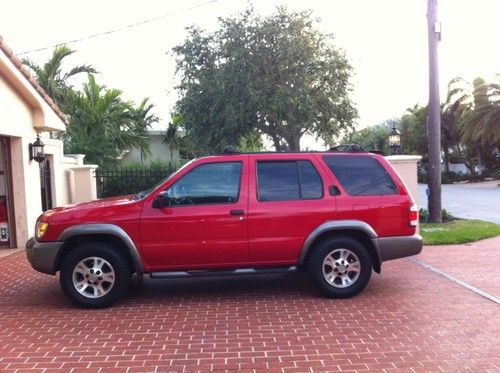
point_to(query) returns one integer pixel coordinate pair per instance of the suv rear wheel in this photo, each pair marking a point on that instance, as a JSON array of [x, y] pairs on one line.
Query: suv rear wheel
[[94, 275], [340, 267]]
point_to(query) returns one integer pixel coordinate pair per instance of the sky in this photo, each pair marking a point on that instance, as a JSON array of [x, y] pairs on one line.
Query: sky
[[385, 41]]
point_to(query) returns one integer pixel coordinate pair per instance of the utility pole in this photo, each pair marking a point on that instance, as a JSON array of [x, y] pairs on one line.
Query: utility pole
[[434, 117]]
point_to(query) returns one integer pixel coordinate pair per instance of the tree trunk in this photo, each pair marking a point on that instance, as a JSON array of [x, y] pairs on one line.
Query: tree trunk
[[464, 161], [479, 162], [294, 143], [446, 159], [277, 143]]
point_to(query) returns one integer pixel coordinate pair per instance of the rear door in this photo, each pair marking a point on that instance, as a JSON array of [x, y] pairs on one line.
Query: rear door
[[288, 199], [369, 193]]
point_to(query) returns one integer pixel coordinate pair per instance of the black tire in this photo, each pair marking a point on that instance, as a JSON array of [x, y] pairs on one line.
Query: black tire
[[337, 272], [116, 269]]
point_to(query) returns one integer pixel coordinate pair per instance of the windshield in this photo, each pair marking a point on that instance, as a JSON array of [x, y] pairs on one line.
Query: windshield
[[142, 194]]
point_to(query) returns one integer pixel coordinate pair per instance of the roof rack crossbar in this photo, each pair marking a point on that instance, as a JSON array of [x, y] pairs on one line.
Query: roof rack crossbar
[[348, 148], [231, 149]]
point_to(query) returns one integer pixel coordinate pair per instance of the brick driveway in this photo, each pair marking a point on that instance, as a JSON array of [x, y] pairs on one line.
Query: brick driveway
[[408, 319]]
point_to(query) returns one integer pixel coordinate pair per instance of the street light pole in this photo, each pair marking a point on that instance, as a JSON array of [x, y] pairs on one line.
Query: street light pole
[[434, 117]]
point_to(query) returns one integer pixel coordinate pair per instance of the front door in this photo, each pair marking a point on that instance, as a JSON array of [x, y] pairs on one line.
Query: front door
[[205, 224], [7, 238]]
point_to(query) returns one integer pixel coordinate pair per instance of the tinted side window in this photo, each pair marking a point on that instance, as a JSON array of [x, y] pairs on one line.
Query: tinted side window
[[277, 181], [361, 176], [288, 180], [311, 186], [207, 184]]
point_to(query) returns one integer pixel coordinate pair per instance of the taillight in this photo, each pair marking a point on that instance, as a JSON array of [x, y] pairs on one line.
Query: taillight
[[413, 215]]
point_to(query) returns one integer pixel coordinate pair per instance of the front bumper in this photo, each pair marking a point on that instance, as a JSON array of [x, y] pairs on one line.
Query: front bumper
[[398, 247], [42, 255]]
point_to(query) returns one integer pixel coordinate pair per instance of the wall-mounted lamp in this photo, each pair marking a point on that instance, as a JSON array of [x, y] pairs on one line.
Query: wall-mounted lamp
[[395, 140], [36, 150]]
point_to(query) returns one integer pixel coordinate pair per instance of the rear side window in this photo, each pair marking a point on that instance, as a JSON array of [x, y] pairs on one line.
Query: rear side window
[[360, 175], [288, 180]]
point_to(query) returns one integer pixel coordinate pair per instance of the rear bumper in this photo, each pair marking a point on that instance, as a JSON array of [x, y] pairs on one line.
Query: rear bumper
[[42, 255], [398, 247]]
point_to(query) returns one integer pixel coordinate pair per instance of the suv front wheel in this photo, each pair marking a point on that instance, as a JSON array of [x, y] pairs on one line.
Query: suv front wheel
[[94, 275], [340, 267]]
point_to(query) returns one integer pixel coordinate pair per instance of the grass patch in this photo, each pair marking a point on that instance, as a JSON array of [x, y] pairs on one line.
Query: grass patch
[[458, 231]]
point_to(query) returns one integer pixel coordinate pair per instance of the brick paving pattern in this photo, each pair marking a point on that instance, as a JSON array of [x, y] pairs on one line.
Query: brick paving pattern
[[477, 263], [407, 320]]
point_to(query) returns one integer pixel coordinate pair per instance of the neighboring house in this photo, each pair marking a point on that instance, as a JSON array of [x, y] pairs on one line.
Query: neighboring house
[[159, 151], [27, 187]]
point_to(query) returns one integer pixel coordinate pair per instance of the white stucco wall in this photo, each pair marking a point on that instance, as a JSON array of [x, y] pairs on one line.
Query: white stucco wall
[[16, 121], [159, 152], [23, 113], [406, 167]]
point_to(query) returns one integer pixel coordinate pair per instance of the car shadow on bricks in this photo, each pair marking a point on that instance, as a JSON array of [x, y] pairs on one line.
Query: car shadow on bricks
[[290, 285], [251, 287], [36, 290]]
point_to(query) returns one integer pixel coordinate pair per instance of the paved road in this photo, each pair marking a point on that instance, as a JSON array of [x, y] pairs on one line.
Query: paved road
[[469, 201], [408, 319]]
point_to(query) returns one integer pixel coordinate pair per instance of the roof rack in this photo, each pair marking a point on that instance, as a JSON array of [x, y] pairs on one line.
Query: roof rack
[[231, 149], [348, 148], [375, 151], [342, 148]]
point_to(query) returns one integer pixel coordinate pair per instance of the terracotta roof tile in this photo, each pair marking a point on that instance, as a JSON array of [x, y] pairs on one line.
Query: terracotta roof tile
[[19, 65]]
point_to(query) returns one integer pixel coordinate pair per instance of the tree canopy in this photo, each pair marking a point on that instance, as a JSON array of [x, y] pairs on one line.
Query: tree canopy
[[277, 75], [470, 128], [101, 124], [51, 77]]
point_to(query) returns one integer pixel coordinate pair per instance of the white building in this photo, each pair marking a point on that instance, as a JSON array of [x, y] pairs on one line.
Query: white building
[[159, 151], [26, 186]]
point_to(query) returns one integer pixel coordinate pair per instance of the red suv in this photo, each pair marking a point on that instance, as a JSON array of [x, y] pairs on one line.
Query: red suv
[[336, 214]]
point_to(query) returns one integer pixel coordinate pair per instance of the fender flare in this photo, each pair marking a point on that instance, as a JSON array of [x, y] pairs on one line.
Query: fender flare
[[106, 229], [338, 225]]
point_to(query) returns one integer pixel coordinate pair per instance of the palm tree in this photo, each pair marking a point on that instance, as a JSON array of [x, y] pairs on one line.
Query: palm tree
[[172, 138], [51, 77], [483, 127], [456, 107], [102, 125]]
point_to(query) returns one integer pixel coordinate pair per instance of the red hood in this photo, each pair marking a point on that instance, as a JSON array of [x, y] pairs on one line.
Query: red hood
[[103, 202], [89, 208]]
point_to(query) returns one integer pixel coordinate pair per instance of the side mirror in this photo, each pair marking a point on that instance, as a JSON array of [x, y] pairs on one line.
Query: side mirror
[[161, 200]]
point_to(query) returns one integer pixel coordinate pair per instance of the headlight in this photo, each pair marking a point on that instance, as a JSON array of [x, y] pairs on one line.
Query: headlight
[[41, 229]]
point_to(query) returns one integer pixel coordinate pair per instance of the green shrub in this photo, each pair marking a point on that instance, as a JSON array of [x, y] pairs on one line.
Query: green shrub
[[495, 174], [423, 216], [448, 178]]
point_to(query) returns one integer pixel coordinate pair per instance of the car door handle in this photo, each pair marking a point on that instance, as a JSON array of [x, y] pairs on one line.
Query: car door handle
[[237, 212]]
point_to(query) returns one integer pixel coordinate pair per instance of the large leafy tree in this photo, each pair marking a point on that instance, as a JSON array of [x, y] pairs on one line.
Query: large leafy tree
[[103, 126], [370, 138], [51, 76], [277, 75]]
